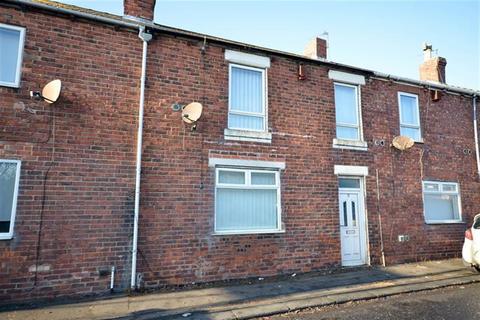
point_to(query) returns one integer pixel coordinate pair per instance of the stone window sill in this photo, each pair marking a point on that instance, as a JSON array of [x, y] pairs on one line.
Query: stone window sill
[[445, 222], [6, 236], [246, 232], [350, 144], [244, 135]]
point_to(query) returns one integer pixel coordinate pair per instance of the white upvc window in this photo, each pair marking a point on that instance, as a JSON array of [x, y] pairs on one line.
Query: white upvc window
[[247, 201], [441, 202], [11, 54], [9, 180], [247, 98], [347, 112], [409, 116]]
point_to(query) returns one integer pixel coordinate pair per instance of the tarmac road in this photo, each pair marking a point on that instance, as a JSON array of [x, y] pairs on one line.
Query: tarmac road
[[452, 303]]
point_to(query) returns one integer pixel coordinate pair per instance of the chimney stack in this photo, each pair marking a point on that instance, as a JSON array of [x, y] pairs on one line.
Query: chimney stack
[[432, 68], [316, 49], [142, 9]]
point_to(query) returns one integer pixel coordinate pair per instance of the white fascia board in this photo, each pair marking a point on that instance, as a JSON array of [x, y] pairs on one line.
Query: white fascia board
[[247, 59], [213, 162], [346, 77], [351, 170]]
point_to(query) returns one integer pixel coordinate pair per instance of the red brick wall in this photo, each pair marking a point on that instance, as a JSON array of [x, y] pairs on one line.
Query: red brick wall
[[433, 70], [401, 173], [139, 8], [316, 48], [89, 191], [177, 214], [88, 209]]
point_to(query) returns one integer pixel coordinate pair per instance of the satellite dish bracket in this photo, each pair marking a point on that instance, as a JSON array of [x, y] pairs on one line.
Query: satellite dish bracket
[[194, 123], [38, 95]]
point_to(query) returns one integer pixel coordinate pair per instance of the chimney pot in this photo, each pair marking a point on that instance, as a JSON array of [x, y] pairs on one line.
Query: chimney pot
[[427, 51], [142, 9], [316, 49]]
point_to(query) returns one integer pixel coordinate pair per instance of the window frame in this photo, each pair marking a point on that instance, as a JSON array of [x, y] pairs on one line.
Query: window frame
[[249, 186], [9, 235], [401, 124], [21, 47], [359, 179], [440, 192], [264, 114], [359, 125]]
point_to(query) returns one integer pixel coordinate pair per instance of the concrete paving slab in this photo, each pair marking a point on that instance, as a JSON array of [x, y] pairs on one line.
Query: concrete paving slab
[[262, 298]]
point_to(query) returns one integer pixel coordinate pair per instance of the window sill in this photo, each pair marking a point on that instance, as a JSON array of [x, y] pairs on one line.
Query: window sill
[[6, 237], [246, 232], [9, 85], [350, 144], [445, 222], [245, 135]]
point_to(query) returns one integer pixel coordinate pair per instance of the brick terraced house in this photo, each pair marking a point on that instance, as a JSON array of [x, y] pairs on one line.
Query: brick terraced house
[[290, 169]]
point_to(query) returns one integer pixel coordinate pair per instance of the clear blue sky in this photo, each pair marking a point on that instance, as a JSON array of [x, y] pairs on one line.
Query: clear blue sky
[[379, 35]]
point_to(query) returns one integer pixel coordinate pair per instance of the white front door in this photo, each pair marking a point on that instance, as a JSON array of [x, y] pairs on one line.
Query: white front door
[[352, 226]]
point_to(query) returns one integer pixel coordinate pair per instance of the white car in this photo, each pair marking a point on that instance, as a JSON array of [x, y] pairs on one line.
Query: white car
[[471, 247]]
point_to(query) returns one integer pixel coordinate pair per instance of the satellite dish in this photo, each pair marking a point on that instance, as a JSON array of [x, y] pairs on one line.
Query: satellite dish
[[402, 143], [192, 112], [50, 92]]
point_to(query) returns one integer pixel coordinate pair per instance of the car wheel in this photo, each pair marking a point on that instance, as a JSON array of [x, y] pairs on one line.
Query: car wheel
[[477, 268]]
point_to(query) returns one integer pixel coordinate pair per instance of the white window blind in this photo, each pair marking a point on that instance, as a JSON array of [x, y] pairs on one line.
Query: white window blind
[[247, 201], [247, 98], [441, 202]]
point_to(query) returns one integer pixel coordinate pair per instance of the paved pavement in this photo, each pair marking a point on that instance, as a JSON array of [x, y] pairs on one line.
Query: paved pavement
[[452, 303], [263, 298]]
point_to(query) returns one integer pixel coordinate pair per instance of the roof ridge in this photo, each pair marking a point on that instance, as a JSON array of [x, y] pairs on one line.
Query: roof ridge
[[72, 7], [133, 23]]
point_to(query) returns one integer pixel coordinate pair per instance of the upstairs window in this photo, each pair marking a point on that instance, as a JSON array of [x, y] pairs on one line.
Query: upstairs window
[[409, 116], [247, 201], [347, 112], [11, 52], [247, 102], [441, 202], [9, 179]]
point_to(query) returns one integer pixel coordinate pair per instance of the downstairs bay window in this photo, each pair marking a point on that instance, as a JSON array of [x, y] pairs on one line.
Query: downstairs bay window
[[441, 202], [247, 201]]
